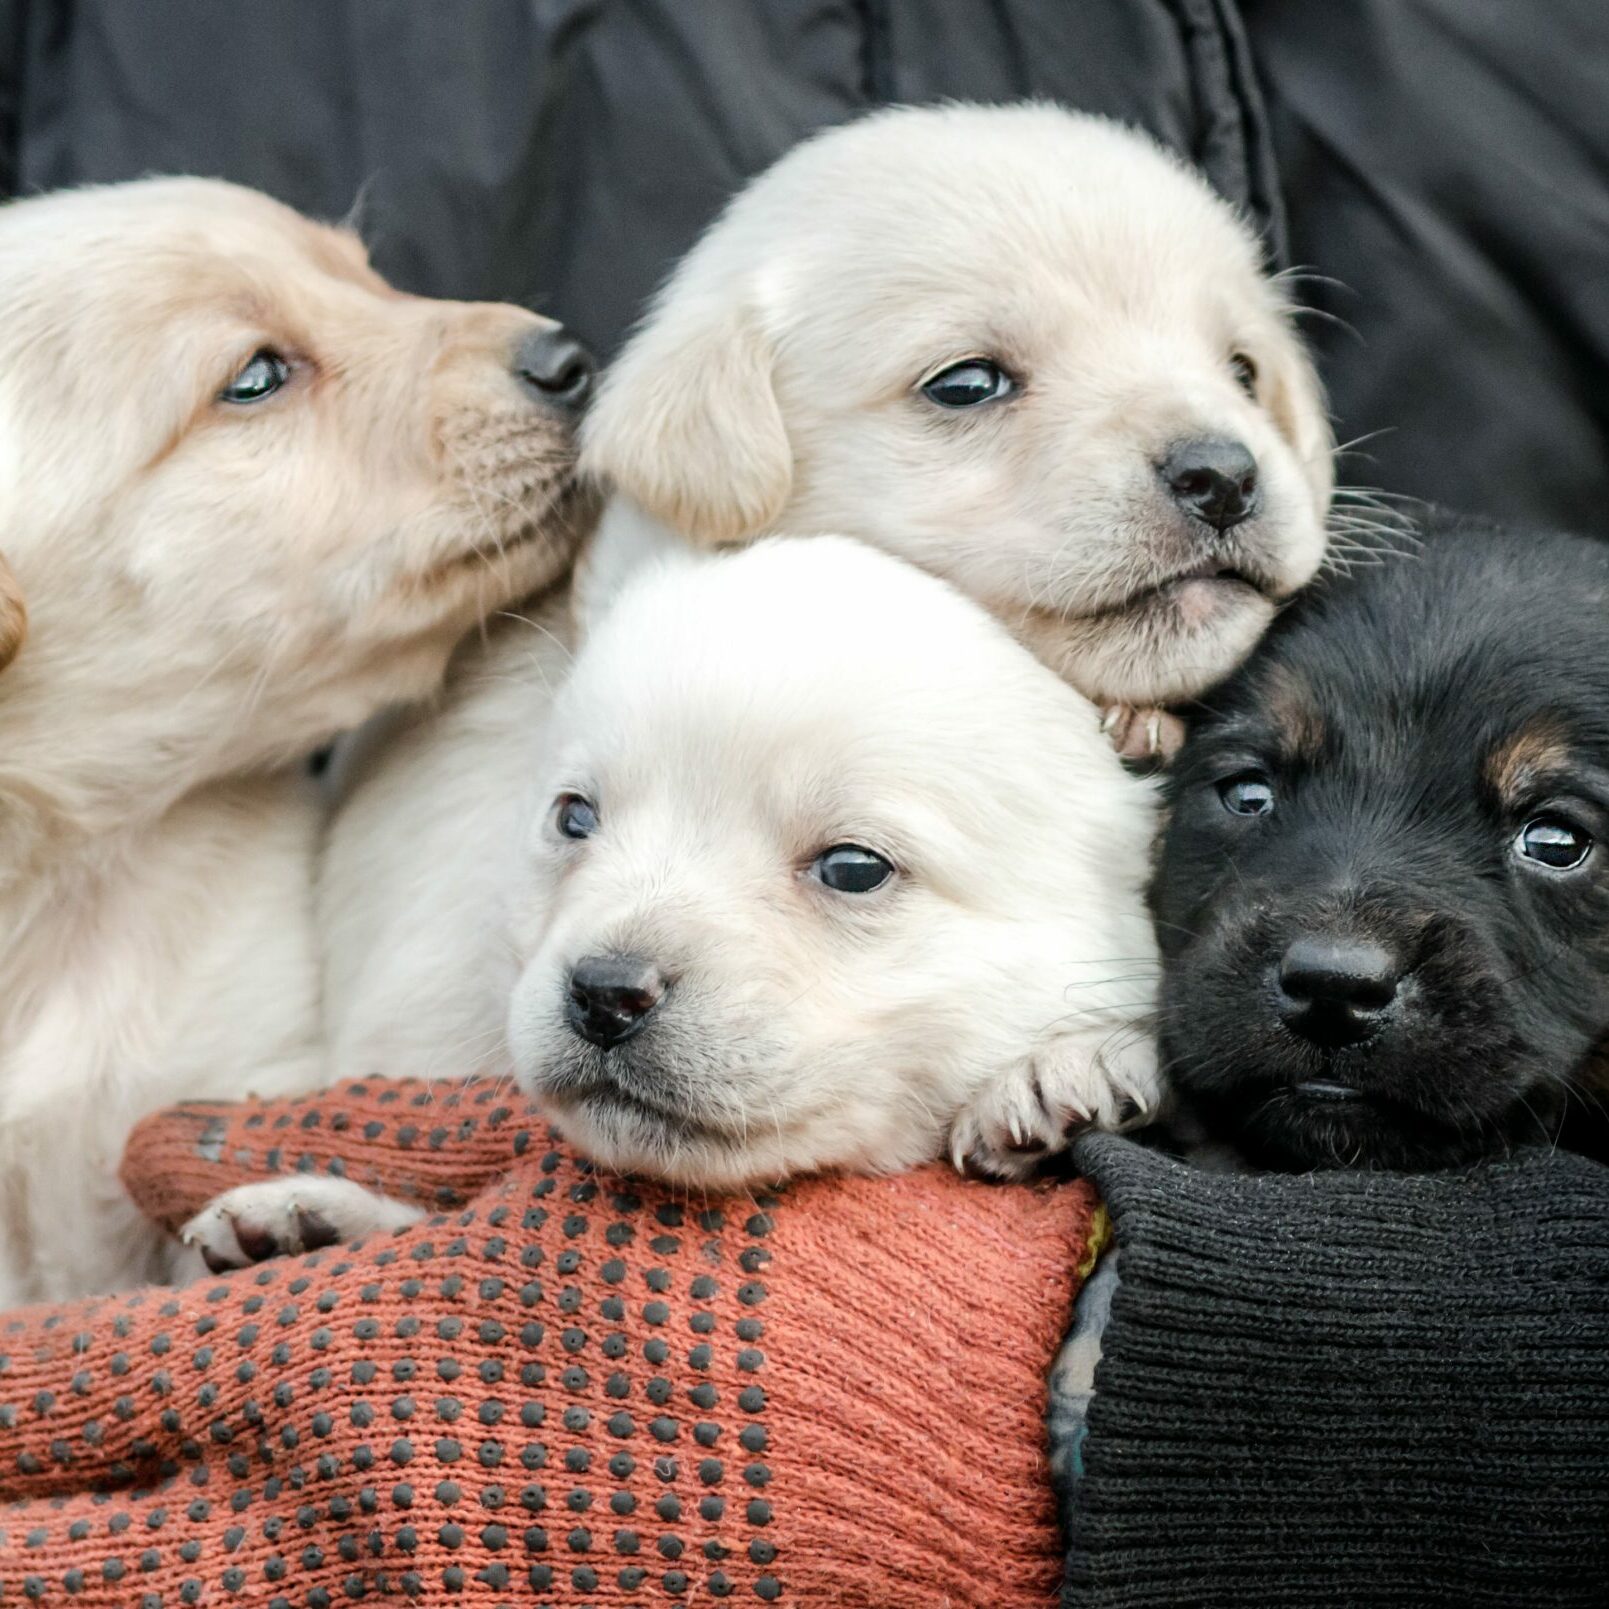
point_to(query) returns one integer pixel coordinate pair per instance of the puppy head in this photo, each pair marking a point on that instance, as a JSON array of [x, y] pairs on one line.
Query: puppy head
[[1383, 893], [798, 878], [236, 465], [1021, 347]]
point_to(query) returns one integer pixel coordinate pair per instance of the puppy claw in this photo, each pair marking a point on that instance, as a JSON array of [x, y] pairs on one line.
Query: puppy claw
[[1100, 1078], [1075, 1125], [1143, 735]]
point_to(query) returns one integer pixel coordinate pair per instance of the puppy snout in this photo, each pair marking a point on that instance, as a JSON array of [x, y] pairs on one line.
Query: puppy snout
[[1213, 479], [1332, 990], [555, 368], [612, 997]]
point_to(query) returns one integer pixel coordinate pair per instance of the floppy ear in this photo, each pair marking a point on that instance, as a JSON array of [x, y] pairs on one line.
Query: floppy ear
[[686, 422], [13, 615]]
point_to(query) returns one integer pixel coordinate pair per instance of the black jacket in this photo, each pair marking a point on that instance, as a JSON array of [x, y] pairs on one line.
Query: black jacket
[[1447, 161]]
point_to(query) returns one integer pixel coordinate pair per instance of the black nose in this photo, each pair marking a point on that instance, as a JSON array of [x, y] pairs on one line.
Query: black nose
[[1213, 479], [612, 997], [1332, 990], [555, 368]]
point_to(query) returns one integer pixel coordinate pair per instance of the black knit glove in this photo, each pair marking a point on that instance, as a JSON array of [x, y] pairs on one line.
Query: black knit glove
[[1349, 1389]]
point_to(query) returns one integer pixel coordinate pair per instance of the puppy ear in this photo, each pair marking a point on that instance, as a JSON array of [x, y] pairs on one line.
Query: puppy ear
[[13, 615], [1296, 401], [687, 425]]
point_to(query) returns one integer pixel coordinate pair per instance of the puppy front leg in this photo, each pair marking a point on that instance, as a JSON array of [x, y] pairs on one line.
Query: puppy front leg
[[1103, 1077], [285, 1217]]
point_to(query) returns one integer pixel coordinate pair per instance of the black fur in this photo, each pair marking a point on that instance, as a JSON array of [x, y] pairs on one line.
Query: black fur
[[1379, 709]]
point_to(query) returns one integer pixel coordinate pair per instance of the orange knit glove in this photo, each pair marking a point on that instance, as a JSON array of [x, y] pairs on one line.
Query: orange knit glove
[[435, 1144], [574, 1391]]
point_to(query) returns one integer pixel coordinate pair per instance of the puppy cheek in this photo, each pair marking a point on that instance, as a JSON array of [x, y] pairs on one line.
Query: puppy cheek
[[1295, 402], [534, 1026]]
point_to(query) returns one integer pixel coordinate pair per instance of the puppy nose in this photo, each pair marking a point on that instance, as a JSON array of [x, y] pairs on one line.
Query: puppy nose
[[612, 997], [555, 368], [1213, 479], [1332, 989]]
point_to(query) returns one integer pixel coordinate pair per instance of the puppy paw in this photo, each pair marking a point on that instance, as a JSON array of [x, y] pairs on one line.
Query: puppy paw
[[285, 1217], [1143, 734], [1104, 1079]]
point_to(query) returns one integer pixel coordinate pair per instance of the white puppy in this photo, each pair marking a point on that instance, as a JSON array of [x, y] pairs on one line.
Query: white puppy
[[810, 866], [821, 863], [249, 493], [1021, 347]]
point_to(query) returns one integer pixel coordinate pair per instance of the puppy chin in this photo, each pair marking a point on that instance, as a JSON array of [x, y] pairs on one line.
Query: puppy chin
[[625, 1136], [631, 1110], [1165, 646], [1303, 1128]]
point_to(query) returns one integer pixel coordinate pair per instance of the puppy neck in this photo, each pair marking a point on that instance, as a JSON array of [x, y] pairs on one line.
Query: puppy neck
[[626, 538]]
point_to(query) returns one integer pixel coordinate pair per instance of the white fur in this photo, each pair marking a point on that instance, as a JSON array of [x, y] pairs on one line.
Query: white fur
[[733, 717], [210, 590], [776, 383]]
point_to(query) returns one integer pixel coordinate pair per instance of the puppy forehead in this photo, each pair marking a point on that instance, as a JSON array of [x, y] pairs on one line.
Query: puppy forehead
[[147, 253], [1483, 662], [949, 216], [812, 658], [947, 270]]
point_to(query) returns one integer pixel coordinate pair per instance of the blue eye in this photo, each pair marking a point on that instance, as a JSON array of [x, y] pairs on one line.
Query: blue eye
[[1554, 842], [1249, 794], [851, 869], [260, 378], [968, 383], [574, 816]]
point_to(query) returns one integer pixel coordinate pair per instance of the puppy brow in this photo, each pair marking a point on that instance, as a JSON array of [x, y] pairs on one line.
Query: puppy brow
[[1515, 764], [1290, 705]]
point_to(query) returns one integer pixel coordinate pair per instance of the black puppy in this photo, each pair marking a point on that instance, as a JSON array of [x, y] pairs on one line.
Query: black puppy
[[1383, 891]]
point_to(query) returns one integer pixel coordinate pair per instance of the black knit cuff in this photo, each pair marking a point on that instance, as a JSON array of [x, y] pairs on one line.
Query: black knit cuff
[[1349, 1389]]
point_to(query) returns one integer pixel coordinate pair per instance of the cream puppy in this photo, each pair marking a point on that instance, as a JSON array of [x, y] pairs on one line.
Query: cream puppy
[[810, 865], [1023, 348], [248, 494]]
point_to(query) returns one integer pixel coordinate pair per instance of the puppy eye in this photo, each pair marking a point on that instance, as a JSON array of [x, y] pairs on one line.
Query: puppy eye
[[574, 816], [850, 869], [262, 377], [1245, 373], [1249, 794], [1554, 842], [968, 383]]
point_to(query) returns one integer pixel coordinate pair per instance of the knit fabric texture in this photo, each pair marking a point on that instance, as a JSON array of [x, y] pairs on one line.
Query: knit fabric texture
[[574, 1390], [1349, 1389]]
